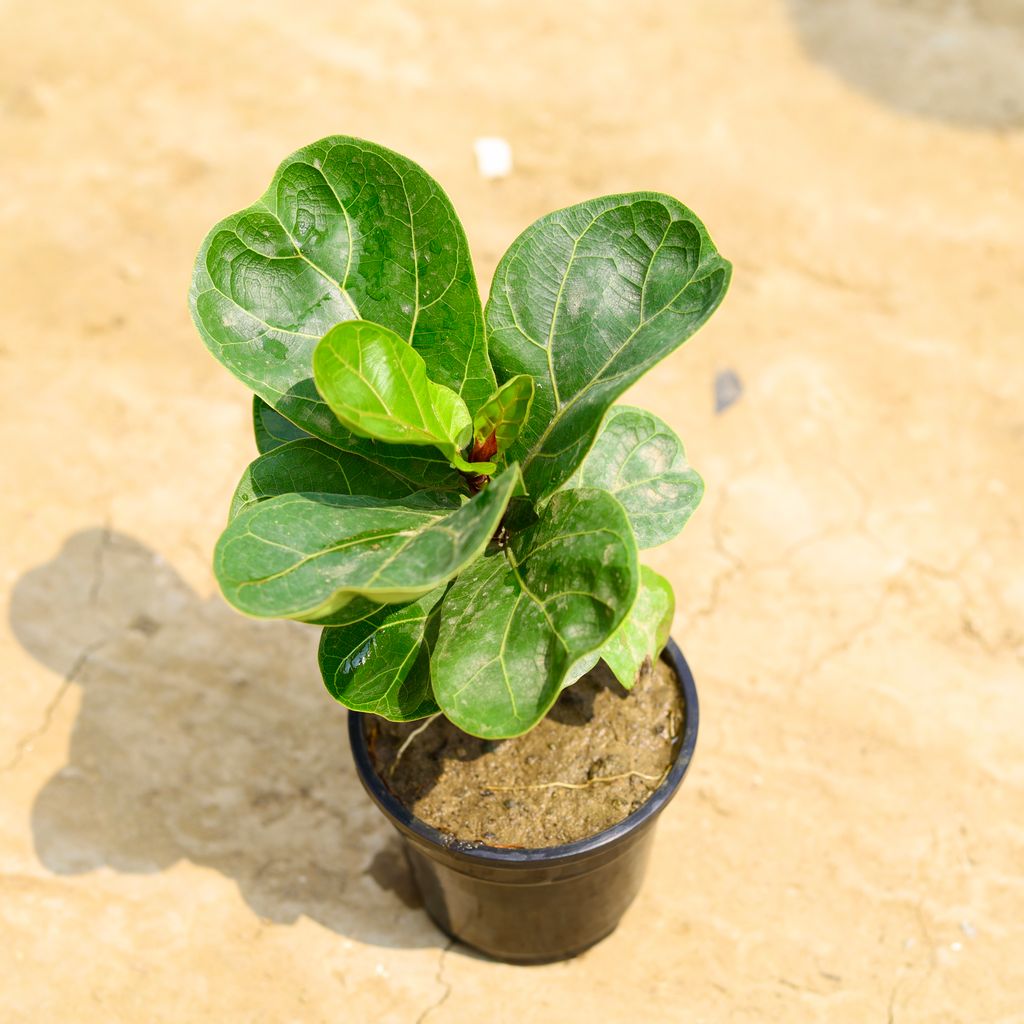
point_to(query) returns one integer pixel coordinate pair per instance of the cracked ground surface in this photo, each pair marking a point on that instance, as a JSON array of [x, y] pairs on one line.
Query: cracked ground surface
[[181, 833]]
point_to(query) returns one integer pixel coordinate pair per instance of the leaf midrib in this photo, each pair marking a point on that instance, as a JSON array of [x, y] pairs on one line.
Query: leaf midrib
[[363, 538]]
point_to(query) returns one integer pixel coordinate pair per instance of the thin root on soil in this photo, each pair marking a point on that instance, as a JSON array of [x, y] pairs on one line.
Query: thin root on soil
[[408, 740], [580, 785]]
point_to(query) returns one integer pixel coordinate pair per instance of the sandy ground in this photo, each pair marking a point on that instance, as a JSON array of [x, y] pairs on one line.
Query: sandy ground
[[181, 834]]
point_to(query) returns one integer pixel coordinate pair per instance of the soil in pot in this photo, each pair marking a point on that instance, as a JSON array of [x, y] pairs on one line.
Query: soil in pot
[[598, 756]]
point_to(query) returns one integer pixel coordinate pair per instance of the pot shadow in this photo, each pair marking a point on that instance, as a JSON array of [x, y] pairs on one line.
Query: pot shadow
[[208, 737], [959, 61]]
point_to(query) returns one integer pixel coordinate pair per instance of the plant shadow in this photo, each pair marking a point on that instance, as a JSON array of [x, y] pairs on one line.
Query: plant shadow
[[204, 736], [958, 61]]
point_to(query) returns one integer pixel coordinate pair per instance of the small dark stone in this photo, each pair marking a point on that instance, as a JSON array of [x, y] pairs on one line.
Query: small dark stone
[[145, 625], [728, 388]]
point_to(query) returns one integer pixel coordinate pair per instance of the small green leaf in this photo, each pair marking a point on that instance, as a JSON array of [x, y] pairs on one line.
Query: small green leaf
[[586, 301], [377, 657], [642, 635], [639, 459], [377, 386], [271, 428], [516, 621], [501, 417], [645, 630], [304, 556], [362, 467], [346, 230]]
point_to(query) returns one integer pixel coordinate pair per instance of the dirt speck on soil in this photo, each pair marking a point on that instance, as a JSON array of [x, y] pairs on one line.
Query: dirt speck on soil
[[597, 756]]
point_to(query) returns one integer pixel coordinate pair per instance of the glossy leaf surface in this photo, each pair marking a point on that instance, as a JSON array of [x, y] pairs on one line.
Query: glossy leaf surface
[[270, 428], [377, 386], [645, 630], [346, 230], [377, 657], [361, 467], [304, 556], [587, 300], [516, 621], [639, 459]]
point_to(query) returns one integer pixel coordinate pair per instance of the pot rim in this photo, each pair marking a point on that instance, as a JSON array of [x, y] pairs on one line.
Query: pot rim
[[478, 852]]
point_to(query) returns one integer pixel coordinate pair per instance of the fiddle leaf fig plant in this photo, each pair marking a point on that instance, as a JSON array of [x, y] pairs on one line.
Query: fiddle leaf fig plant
[[448, 491]]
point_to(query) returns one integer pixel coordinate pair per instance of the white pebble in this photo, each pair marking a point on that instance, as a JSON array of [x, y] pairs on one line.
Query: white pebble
[[493, 157]]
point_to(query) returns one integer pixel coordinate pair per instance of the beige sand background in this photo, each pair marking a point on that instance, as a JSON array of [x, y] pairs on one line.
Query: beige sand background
[[181, 834]]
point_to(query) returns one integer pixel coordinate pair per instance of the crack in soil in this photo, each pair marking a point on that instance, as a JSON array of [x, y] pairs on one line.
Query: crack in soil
[[441, 980], [23, 744]]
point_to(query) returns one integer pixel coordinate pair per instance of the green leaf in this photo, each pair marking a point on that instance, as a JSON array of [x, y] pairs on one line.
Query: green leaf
[[304, 556], [639, 459], [377, 386], [361, 467], [377, 658], [271, 428], [516, 621], [500, 419], [346, 230], [645, 630], [642, 634], [586, 301]]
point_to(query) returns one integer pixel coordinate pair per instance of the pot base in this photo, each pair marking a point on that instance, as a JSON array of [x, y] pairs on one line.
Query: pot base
[[525, 920]]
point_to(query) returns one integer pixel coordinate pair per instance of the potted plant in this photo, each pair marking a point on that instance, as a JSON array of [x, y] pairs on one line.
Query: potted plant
[[451, 494]]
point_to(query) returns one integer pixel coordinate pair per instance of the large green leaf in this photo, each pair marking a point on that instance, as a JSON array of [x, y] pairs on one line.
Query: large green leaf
[[586, 301], [271, 429], [346, 230], [516, 621], [500, 419], [377, 658], [361, 467], [645, 630], [638, 458], [304, 556], [377, 386]]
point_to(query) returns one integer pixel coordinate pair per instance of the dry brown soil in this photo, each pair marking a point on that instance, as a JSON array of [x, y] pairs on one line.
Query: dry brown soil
[[597, 757]]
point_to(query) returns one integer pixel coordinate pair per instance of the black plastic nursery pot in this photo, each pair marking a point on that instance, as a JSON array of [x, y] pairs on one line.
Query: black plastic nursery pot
[[533, 905]]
